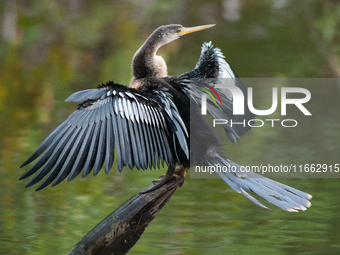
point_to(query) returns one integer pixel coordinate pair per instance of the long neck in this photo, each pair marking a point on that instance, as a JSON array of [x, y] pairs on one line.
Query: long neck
[[145, 63]]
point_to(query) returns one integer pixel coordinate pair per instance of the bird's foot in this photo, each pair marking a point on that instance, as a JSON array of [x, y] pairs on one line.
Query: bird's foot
[[172, 172], [157, 184], [159, 179], [181, 171]]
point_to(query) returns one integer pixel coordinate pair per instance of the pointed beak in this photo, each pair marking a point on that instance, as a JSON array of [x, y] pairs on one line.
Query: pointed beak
[[188, 30]]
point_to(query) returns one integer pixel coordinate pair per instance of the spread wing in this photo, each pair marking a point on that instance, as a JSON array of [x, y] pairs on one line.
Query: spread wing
[[144, 127], [212, 69]]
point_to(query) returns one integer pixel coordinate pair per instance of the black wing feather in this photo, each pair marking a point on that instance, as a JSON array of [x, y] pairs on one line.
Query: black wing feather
[[143, 126], [60, 162], [127, 142], [140, 145], [91, 157], [119, 146], [43, 146], [134, 147], [149, 144], [71, 158], [110, 144], [101, 149], [210, 69], [57, 147], [82, 154]]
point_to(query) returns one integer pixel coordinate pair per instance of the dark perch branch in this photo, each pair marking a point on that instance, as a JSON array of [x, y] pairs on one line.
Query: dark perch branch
[[120, 231]]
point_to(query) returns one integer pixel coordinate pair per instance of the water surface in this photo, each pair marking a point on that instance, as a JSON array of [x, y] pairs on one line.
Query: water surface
[[57, 48]]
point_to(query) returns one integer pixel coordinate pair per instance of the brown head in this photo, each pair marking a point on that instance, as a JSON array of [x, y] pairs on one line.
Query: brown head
[[145, 63]]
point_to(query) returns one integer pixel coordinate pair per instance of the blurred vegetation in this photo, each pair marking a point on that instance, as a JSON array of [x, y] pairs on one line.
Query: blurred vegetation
[[50, 48]]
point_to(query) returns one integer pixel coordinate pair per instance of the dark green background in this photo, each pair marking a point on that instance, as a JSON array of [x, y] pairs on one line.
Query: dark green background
[[54, 48]]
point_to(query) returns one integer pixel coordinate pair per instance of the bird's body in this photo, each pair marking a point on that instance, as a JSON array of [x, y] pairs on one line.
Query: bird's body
[[150, 123]]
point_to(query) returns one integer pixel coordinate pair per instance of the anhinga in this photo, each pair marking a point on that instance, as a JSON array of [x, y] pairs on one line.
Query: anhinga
[[149, 123]]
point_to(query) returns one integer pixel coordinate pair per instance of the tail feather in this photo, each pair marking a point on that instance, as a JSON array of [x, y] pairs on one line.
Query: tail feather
[[280, 195]]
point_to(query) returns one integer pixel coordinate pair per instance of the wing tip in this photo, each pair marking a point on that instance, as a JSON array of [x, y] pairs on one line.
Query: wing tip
[[24, 164]]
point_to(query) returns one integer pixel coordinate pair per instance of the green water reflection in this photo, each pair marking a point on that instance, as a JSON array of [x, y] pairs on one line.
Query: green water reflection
[[57, 47]]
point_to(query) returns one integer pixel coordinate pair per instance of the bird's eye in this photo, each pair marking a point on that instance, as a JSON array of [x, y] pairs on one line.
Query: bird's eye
[[178, 30]]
